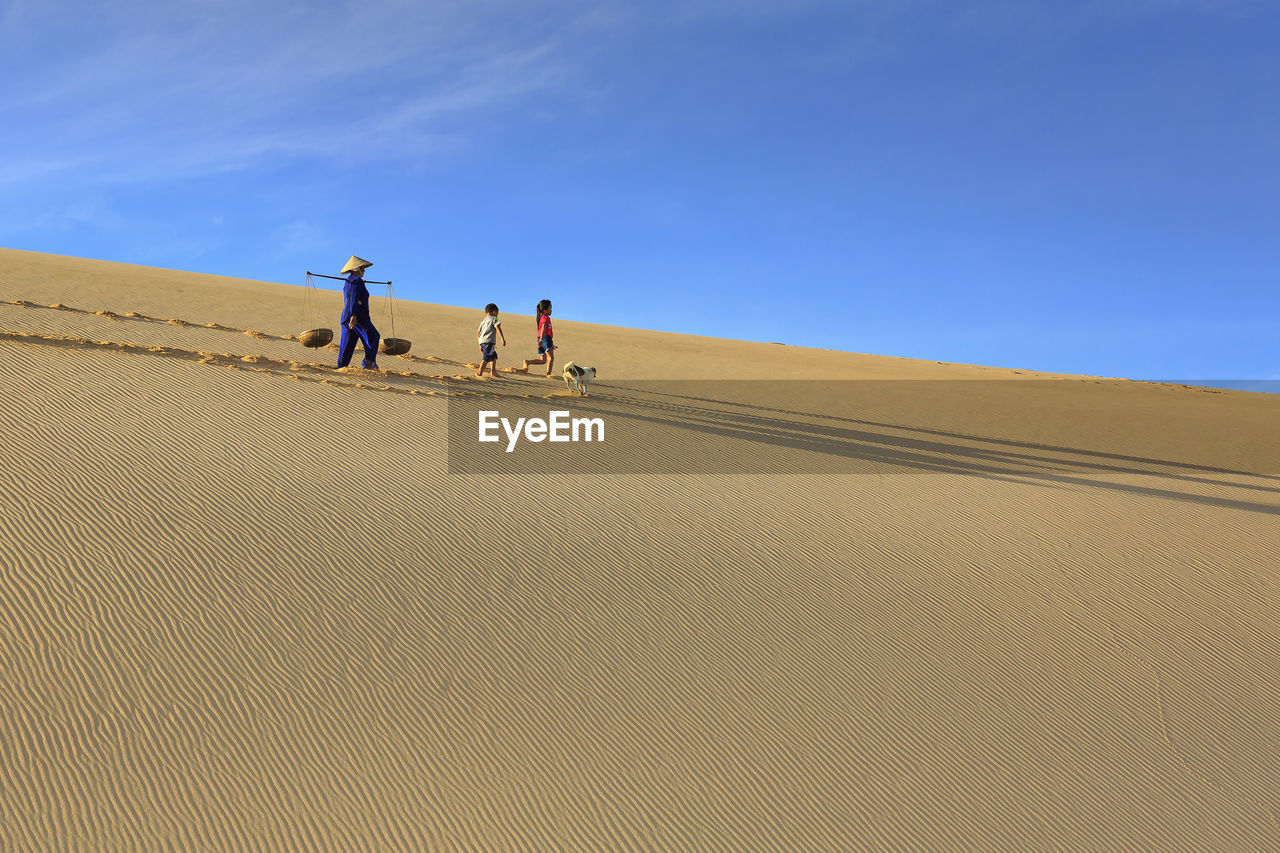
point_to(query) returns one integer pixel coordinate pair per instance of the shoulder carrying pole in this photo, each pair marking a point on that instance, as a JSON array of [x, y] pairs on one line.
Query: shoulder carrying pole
[[340, 278]]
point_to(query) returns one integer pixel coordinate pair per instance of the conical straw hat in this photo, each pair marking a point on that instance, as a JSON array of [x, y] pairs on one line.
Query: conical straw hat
[[355, 265]]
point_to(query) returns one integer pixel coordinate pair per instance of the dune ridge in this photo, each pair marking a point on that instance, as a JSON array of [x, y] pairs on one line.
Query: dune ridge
[[247, 605]]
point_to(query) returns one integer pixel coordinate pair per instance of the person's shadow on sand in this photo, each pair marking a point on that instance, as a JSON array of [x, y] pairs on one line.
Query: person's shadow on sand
[[884, 448]]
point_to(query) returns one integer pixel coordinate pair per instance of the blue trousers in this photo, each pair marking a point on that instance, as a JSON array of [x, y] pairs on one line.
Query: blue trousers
[[367, 335]]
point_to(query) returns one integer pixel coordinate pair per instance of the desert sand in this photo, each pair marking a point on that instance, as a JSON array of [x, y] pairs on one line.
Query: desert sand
[[797, 600]]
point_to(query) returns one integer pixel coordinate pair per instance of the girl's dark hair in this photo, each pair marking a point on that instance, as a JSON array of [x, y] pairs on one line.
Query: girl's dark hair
[[491, 307], [542, 306]]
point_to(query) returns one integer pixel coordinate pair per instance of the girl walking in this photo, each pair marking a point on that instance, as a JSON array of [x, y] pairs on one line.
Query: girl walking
[[546, 345]]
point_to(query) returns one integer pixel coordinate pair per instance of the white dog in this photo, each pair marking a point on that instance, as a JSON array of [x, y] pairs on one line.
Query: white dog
[[578, 377]]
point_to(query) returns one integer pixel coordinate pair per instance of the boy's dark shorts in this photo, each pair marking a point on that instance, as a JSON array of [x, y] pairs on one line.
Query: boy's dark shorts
[[545, 345], [489, 351]]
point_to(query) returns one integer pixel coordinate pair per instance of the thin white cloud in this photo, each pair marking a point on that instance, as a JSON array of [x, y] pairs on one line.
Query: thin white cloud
[[129, 91], [125, 90], [171, 90]]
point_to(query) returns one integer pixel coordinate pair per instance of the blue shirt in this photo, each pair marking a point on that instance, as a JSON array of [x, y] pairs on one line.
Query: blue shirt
[[355, 299]]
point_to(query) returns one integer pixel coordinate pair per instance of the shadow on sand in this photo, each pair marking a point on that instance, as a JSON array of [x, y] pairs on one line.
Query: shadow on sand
[[839, 444]]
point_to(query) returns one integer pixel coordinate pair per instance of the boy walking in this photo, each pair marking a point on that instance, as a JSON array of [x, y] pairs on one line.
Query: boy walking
[[489, 331]]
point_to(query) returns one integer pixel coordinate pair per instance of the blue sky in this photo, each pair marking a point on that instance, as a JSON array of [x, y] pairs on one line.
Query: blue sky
[[1086, 187]]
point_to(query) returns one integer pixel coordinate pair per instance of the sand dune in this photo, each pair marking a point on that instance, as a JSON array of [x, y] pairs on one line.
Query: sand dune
[[799, 600]]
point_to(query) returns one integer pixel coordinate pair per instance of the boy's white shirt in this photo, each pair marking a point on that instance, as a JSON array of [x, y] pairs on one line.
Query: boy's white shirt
[[488, 335]]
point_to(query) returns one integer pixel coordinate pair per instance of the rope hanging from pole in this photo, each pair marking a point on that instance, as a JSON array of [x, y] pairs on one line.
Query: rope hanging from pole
[[391, 308], [313, 338], [391, 345]]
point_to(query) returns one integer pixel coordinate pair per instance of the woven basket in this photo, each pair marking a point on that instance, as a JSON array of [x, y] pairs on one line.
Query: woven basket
[[394, 346], [316, 338]]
